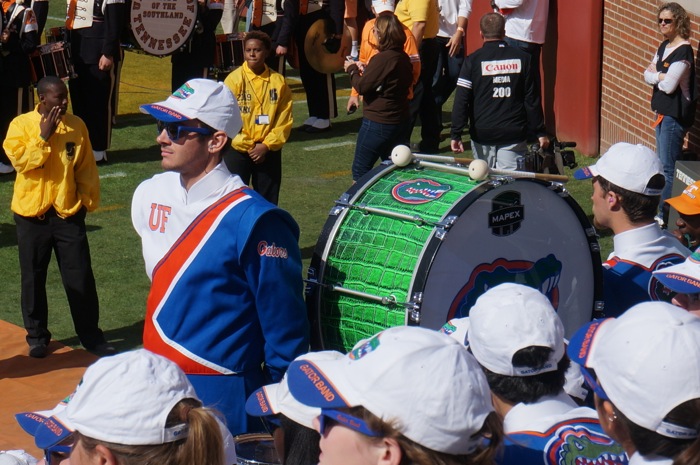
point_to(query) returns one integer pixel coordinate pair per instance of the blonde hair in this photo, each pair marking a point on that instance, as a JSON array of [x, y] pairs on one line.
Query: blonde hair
[[203, 444], [416, 454]]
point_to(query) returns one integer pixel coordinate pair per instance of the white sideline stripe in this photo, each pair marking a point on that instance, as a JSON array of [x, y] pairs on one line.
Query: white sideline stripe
[[328, 146], [117, 174]]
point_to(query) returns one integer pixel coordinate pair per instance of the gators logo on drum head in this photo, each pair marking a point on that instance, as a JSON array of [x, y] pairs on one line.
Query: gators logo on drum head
[[419, 191], [543, 275]]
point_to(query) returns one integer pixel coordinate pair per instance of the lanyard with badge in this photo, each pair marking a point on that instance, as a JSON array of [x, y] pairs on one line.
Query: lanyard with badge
[[262, 118]]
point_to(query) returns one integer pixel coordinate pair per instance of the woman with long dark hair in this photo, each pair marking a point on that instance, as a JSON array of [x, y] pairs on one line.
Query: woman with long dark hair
[[384, 84]]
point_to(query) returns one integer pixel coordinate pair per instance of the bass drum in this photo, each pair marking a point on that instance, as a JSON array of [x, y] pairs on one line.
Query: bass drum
[[160, 28], [417, 246]]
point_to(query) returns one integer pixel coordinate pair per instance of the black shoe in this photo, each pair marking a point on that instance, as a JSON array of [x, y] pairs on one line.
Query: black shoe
[[38, 350], [103, 349], [315, 130]]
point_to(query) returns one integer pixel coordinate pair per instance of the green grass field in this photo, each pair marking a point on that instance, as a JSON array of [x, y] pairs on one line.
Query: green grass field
[[316, 171]]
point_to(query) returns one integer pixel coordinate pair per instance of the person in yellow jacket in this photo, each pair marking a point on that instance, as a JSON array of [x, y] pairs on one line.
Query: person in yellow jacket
[[265, 101], [57, 184]]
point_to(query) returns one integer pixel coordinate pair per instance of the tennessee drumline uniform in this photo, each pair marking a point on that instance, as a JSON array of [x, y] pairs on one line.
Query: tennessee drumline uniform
[[267, 16], [95, 29], [627, 274], [20, 37], [496, 95], [319, 87], [226, 295], [195, 58]]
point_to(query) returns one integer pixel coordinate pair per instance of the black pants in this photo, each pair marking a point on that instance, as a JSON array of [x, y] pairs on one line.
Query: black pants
[[423, 103], [37, 237], [319, 87], [266, 177], [91, 96]]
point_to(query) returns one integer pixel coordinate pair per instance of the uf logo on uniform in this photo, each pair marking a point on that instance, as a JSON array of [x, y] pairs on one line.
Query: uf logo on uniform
[[159, 216]]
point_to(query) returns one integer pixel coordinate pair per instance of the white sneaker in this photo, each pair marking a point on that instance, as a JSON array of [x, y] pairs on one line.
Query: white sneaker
[[100, 155], [6, 169], [322, 123]]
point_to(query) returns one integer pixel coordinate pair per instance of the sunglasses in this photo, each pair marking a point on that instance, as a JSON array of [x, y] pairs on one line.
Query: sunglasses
[[55, 454], [665, 21], [329, 417], [176, 131], [591, 382]]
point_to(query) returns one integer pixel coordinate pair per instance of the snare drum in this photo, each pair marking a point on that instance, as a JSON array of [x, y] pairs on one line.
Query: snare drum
[[52, 59], [417, 246], [256, 449], [229, 51], [56, 34]]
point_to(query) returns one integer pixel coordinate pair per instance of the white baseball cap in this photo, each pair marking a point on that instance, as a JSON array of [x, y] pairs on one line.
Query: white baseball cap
[[628, 166], [423, 380], [511, 317], [123, 399], [276, 398], [683, 277], [647, 361], [208, 101], [458, 329], [381, 6]]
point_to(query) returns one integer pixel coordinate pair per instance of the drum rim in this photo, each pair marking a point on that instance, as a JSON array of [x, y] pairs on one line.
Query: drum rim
[[426, 258]]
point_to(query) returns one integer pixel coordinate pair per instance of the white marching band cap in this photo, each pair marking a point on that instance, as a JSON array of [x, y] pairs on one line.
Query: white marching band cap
[[208, 101], [628, 166], [276, 398], [123, 399], [511, 317], [647, 362], [421, 381]]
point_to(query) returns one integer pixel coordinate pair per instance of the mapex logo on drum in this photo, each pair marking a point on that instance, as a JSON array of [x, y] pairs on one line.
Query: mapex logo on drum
[[507, 214], [419, 191]]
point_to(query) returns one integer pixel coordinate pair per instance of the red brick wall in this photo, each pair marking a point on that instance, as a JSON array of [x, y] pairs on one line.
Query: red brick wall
[[630, 38]]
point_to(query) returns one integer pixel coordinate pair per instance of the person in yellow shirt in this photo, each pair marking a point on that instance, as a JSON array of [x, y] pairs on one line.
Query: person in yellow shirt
[[57, 184], [369, 48], [265, 101], [421, 17]]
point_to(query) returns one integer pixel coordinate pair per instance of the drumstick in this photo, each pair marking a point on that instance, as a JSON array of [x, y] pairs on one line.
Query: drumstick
[[402, 156]]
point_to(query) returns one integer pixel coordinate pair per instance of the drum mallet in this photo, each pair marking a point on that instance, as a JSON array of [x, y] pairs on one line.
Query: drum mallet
[[478, 169]]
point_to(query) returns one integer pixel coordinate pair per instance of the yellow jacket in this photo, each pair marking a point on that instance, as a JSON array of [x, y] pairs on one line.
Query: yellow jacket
[[266, 94], [59, 173]]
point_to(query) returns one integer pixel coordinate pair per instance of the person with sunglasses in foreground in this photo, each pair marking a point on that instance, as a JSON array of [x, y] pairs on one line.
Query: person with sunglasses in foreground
[[644, 368], [226, 298], [407, 395], [136, 408], [683, 280]]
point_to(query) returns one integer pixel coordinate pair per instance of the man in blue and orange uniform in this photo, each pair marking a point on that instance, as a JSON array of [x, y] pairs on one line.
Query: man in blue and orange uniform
[[226, 295], [627, 184]]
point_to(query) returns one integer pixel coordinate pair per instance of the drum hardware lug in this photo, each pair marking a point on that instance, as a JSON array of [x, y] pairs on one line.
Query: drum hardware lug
[[337, 210], [598, 309], [444, 226], [413, 307]]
